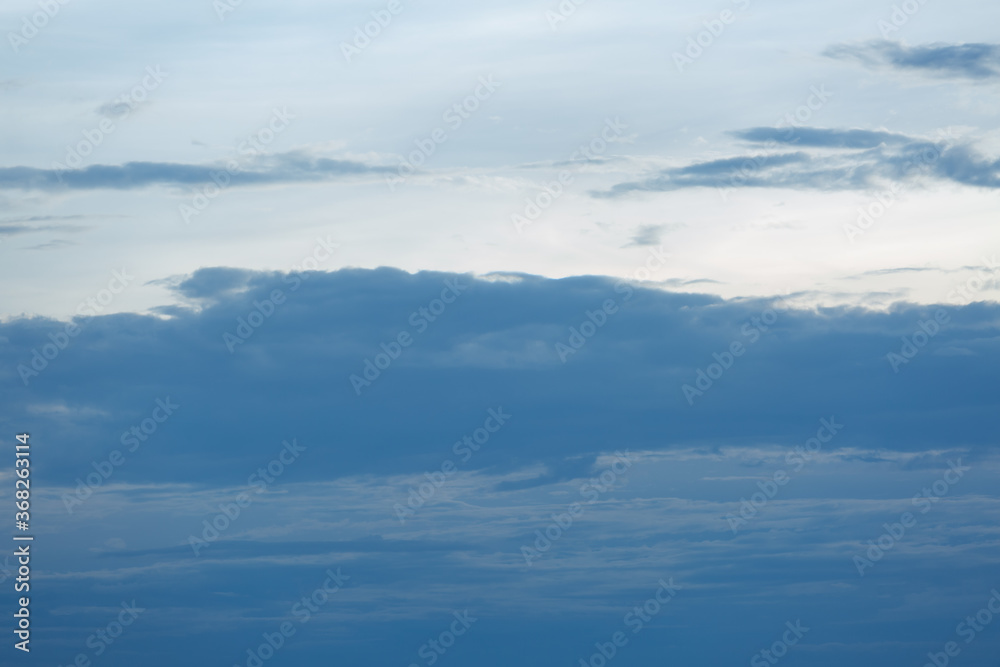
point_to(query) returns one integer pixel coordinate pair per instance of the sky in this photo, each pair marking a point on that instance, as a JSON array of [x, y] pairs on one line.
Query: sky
[[526, 333]]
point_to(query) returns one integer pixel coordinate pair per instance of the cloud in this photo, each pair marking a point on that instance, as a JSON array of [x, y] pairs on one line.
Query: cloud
[[494, 347], [289, 167], [43, 218], [214, 283], [17, 226], [870, 160], [815, 137], [895, 271], [497, 342], [647, 235], [55, 244], [114, 110], [14, 230], [975, 61]]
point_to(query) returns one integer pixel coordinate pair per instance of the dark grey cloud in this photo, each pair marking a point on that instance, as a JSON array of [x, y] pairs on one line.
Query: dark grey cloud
[[873, 159], [976, 60], [290, 167], [963, 164], [215, 283], [495, 346]]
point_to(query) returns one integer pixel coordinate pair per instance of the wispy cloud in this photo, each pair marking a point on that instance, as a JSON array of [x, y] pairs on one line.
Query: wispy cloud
[[52, 245], [870, 159], [648, 235], [15, 229], [816, 137], [976, 60], [290, 167]]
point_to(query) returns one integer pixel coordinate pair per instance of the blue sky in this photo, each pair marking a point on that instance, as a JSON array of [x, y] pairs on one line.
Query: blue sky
[[508, 334]]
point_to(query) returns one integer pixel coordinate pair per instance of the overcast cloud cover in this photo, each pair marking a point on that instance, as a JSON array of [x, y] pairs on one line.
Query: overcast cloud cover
[[503, 334]]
